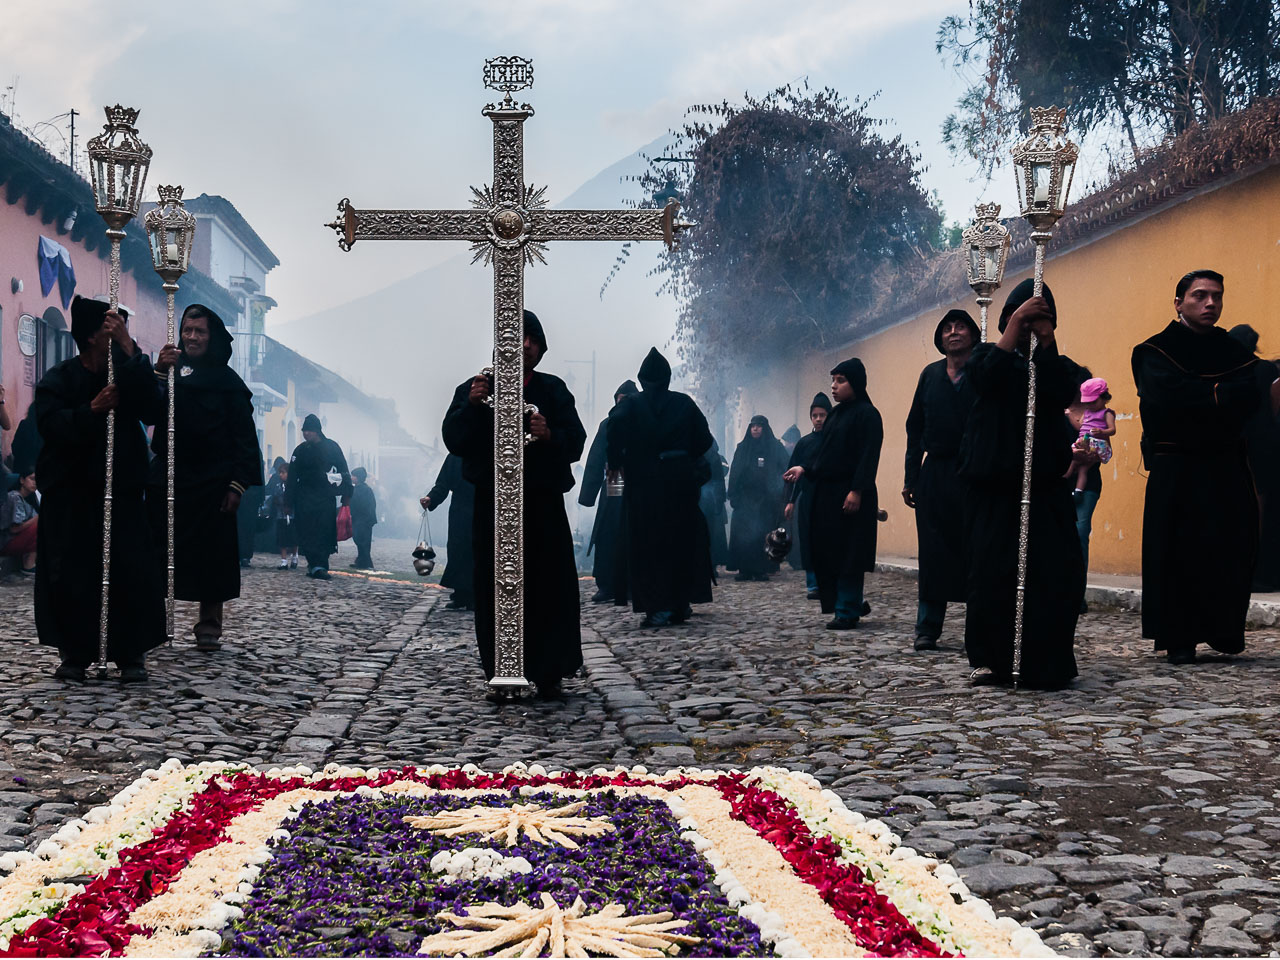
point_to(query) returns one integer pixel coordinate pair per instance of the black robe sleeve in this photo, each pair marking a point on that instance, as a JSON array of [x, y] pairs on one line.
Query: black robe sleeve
[[444, 484], [915, 434], [246, 457], [60, 417], [568, 436], [868, 434], [467, 428], [339, 462], [593, 472], [142, 394]]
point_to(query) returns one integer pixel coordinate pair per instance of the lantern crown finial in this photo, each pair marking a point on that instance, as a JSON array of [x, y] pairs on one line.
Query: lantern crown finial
[[170, 194], [987, 211], [121, 116], [1046, 118]]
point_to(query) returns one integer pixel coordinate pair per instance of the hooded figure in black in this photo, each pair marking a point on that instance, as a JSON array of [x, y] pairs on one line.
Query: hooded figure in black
[[364, 517], [756, 493], [658, 440], [70, 410], [216, 458], [842, 523], [608, 523], [552, 635], [317, 475], [935, 427], [459, 568], [711, 501], [800, 490], [991, 459], [1198, 389]]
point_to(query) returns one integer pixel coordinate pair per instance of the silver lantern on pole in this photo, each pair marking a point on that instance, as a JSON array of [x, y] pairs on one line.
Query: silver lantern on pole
[[1044, 163], [986, 248], [118, 163], [171, 230]]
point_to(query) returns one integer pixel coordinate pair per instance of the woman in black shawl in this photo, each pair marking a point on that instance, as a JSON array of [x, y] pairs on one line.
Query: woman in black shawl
[[317, 474], [216, 458], [756, 494]]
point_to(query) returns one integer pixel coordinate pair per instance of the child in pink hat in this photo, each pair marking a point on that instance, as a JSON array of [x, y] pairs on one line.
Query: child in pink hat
[[1098, 423]]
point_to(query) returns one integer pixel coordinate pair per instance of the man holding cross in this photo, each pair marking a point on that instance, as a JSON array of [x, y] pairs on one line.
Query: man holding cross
[[552, 640]]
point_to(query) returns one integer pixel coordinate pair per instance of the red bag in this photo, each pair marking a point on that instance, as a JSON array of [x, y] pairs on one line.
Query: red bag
[[344, 523]]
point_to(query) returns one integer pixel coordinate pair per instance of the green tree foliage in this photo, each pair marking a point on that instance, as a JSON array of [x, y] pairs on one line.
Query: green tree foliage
[[1149, 68], [798, 200]]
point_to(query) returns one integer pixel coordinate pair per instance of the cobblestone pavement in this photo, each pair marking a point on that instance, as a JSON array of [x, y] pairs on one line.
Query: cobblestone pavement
[[1132, 814]]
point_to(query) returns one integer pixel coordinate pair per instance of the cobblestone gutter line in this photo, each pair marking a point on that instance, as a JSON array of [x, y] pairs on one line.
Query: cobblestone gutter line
[[314, 736], [642, 721]]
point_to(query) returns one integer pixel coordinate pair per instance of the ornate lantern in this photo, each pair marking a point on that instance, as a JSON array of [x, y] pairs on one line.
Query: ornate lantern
[[171, 230], [118, 163], [1045, 162], [986, 248]]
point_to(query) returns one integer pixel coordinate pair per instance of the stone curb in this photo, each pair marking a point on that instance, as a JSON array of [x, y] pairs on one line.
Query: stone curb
[[1262, 613], [314, 736]]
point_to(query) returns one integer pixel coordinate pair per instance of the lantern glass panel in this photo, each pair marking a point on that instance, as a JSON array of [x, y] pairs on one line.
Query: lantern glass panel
[[975, 262], [1042, 174], [992, 264], [1068, 171], [173, 247]]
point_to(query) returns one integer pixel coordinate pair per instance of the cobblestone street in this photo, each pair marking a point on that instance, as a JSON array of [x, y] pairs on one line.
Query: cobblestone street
[[1135, 813]]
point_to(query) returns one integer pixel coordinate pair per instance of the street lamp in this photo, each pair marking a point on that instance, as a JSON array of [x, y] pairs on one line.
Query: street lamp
[[1044, 163], [171, 230], [986, 249], [118, 163]]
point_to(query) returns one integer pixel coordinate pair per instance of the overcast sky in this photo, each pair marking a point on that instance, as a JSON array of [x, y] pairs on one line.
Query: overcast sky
[[286, 106]]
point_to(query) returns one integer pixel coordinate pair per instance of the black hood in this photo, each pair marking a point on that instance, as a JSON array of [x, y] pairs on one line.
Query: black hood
[[88, 316], [655, 372], [219, 352], [533, 330], [1020, 295], [955, 316], [853, 371]]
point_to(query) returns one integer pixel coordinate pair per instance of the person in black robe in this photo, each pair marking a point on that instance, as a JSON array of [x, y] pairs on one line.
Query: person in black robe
[[317, 474], [27, 441], [71, 404], [800, 490], [1197, 389], [552, 634], [658, 441], [756, 493], [216, 459], [935, 428], [607, 528], [364, 516], [842, 521], [1262, 437], [711, 501], [278, 512], [991, 462], [459, 568]]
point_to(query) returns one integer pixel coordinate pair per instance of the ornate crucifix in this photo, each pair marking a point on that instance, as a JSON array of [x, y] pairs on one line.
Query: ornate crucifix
[[508, 227]]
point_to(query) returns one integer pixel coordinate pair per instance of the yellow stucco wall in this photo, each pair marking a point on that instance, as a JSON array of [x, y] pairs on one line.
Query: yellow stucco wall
[[1111, 294]]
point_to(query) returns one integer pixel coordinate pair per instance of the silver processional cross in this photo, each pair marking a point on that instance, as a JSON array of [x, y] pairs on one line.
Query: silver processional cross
[[508, 226]]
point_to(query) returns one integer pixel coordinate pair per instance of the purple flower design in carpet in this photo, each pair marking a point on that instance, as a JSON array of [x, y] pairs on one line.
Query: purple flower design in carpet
[[354, 878]]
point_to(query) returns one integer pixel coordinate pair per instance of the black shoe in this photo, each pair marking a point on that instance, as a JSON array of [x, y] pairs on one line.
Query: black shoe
[[984, 677], [456, 604], [926, 643], [208, 644], [813, 595], [843, 623], [134, 673], [681, 616], [70, 672], [245, 562], [660, 619], [550, 691], [866, 608], [1181, 658], [601, 597], [321, 575]]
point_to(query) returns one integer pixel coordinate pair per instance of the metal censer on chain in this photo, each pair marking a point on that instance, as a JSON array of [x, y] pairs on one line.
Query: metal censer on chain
[[508, 227], [118, 164], [985, 245], [171, 230], [1044, 163]]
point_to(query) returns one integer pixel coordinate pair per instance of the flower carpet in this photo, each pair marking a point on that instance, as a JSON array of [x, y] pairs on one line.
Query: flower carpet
[[223, 859]]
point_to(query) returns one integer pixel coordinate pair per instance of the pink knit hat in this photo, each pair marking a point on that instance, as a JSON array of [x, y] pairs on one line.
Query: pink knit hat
[[1091, 390]]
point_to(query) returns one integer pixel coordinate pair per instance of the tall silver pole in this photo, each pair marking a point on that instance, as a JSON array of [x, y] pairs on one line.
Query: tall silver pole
[[113, 295], [1041, 239], [170, 289]]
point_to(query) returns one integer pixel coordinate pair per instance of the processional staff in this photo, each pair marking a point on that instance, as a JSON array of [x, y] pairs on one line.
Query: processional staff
[[1044, 162], [118, 163], [508, 226], [171, 230]]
